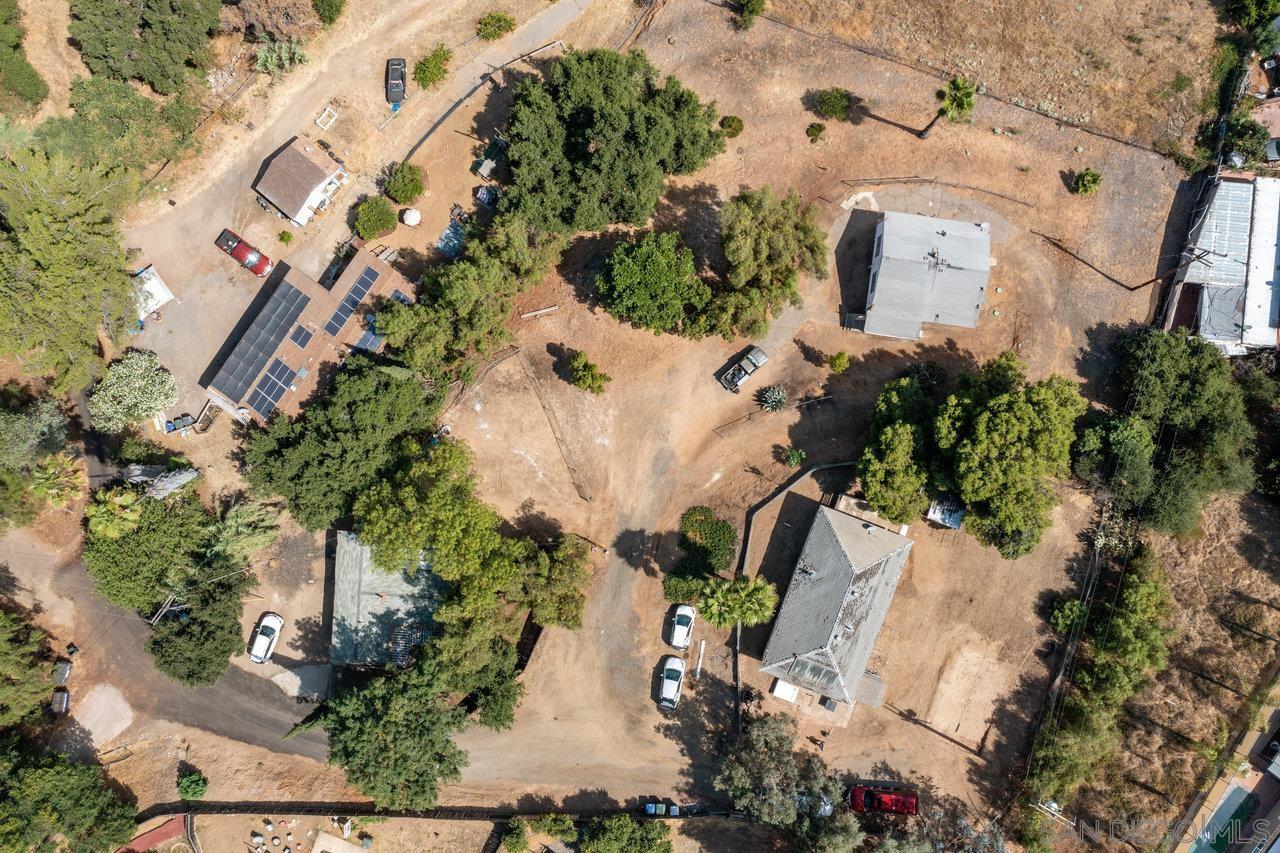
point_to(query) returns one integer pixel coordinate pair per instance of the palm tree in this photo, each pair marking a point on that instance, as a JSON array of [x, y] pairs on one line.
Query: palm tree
[[58, 478], [749, 601], [113, 513], [955, 102]]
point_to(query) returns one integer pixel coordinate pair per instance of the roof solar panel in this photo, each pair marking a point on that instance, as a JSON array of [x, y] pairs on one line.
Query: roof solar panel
[[259, 343], [301, 335], [351, 301], [271, 388], [370, 341]]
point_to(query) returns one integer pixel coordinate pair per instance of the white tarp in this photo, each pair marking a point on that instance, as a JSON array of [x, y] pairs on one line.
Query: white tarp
[[152, 291], [1262, 294]]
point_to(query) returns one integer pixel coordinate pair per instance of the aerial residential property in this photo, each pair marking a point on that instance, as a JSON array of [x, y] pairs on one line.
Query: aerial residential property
[[302, 327], [639, 427], [926, 270], [301, 180], [832, 613]]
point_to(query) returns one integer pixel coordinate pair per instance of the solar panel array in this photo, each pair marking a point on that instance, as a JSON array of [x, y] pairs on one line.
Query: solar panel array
[[271, 388], [260, 342], [301, 335], [351, 301]]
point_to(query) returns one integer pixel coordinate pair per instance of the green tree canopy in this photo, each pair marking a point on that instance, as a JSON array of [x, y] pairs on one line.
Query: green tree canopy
[[48, 803], [768, 242], [393, 736], [1186, 434], [62, 267], [554, 583], [30, 428], [1000, 439], [113, 124], [893, 481], [404, 184], [592, 143], [24, 679], [322, 460], [652, 283], [135, 387], [465, 304], [140, 568], [586, 374], [194, 646], [156, 41], [375, 217]]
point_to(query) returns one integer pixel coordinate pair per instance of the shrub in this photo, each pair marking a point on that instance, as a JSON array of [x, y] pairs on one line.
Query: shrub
[[558, 826], [839, 362], [814, 131], [285, 237], [793, 457], [681, 588], [1086, 182], [20, 77], [748, 11], [586, 375], [432, 68], [192, 785], [772, 398], [1246, 136], [1067, 615], [279, 57], [730, 126], [516, 838], [328, 10], [494, 26], [58, 479], [709, 542], [134, 388], [374, 218], [833, 104], [404, 185]]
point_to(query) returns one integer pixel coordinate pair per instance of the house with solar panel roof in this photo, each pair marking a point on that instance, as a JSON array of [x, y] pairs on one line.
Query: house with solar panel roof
[[301, 327]]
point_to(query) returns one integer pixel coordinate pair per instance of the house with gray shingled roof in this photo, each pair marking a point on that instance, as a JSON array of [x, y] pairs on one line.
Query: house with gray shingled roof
[[926, 270], [834, 608]]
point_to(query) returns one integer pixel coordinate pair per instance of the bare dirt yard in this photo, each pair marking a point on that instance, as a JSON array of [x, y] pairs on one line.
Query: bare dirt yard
[[1118, 67]]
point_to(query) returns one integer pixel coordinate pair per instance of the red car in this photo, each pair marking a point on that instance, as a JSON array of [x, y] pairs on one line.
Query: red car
[[249, 257], [868, 798]]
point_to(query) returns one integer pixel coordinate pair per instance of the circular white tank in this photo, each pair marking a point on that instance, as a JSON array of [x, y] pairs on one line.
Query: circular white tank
[[411, 216]]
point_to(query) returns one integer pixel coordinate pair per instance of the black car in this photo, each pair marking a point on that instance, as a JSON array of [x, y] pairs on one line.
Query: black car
[[395, 80]]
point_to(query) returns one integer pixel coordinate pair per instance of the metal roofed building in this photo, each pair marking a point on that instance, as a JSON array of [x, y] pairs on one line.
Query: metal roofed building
[[926, 270], [378, 617], [834, 608], [302, 326], [300, 180], [1234, 264]]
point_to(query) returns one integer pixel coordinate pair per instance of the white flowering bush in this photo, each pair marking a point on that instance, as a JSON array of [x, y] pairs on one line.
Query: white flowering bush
[[135, 388]]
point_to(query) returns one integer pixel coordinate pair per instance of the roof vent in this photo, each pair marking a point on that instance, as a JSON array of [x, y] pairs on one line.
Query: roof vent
[[804, 569], [869, 527]]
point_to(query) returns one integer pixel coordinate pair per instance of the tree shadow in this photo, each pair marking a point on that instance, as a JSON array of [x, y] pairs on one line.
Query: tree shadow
[[639, 549], [694, 211], [1259, 542], [73, 740], [1096, 361], [701, 727], [811, 354], [532, 523], [411, 263], [584, 259], [310, 638], [561, 361]]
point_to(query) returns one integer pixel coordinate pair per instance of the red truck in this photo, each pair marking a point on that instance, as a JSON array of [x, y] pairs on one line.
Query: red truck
[[249, 257], [884, 799]]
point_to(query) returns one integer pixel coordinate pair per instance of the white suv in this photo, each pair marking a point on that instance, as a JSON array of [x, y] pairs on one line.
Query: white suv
[[263, 641]]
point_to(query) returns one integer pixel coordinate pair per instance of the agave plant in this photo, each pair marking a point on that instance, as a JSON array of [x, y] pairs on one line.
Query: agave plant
[[114, 512], [772, 398], [58, 478], [750, 601]]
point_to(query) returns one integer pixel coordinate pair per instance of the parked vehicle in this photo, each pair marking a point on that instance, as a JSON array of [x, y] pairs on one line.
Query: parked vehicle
[[61, 671], [736, 376], [395, 80], [884, 799], [263, 642], [682, 626], [672, 681], [249, 257], [60, 702]]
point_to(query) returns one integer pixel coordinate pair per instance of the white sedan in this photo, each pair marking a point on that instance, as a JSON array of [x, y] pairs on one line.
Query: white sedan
[[682, 626], [672, 681], [263, 641]]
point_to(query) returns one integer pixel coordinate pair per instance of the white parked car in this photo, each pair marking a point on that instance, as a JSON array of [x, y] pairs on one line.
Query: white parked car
[[682, 626], [672, 681], [263, 641]]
